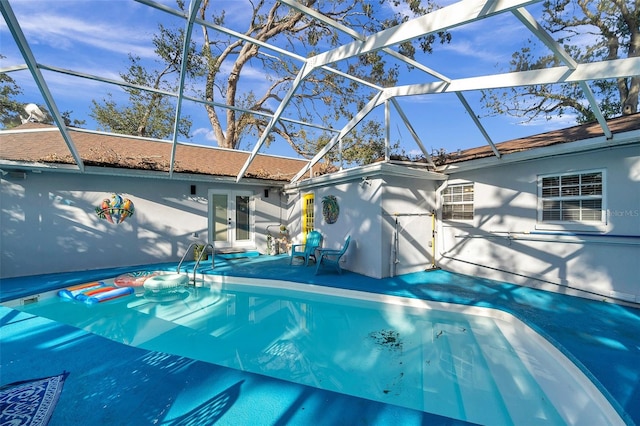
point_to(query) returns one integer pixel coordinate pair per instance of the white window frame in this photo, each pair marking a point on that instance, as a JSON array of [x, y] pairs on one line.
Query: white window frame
[[564, 197], [447, 200]]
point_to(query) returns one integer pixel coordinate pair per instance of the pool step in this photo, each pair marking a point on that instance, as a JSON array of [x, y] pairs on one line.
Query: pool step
[[465, 388], [237, 254], [513, 379]]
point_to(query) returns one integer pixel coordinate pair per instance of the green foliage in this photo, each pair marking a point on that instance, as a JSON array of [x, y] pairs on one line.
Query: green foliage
[[613, 31], [363, 145], [10, 108], [70, 121], [323, 96], [366, 144], [150, 113], [137, 118], [215, 72]]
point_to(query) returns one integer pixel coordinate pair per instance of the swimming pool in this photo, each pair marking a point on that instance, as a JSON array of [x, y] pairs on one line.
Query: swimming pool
[[468, 363]]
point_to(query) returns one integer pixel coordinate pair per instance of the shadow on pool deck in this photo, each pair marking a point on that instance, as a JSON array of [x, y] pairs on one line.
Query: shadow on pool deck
[[114, 384]]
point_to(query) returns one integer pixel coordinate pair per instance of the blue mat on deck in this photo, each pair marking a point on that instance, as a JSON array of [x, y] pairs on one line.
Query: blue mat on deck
[[30, 402]]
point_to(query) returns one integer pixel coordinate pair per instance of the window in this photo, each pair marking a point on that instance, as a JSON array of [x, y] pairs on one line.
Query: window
[[457, 202], [574, 197]]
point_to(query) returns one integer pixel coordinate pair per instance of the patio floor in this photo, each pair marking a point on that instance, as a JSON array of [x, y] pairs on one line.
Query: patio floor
[[115, 384]]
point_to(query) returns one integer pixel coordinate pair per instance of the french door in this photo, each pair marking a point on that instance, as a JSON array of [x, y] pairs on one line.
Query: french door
[[231, 219]]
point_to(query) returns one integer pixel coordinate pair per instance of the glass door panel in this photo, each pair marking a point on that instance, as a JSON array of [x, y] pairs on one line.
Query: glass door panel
[[220, 209], [231, 219], [243, 222]]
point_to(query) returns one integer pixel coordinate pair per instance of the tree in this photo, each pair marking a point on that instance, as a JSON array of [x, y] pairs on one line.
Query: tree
[[613, 28], [148, 113], [12, 112], [363, 145], [323, 96], [10, 108]]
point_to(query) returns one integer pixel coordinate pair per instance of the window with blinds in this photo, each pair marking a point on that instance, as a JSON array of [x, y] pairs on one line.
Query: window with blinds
[[571, 197], [457, 202]]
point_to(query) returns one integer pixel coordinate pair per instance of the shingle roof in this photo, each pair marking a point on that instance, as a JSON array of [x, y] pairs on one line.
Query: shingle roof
[[48, 146], [624, 123]]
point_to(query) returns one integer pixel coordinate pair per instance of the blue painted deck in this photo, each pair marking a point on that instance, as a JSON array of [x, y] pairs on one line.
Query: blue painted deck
[[116, 384]]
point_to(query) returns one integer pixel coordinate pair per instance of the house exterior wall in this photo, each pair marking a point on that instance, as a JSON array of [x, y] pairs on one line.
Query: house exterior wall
[[368, 212], [359, 218], [505, 240], [407, 206], [49, 222]]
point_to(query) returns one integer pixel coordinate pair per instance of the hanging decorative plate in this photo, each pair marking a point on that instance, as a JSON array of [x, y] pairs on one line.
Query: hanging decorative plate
[[330, 209]]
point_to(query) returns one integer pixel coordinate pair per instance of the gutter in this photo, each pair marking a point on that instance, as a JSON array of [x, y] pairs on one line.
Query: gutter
[[361, 172], [34, 167]]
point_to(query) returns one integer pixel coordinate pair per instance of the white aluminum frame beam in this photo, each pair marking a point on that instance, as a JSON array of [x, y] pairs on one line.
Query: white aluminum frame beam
[[415, 136], [193, 9], [374, 102], [387, 131], [249, 39], [618, 68], [172, 94], [529, 21], [477, 121], [302, 74], [358, 37], [457, 14], [32, 64], [610, 69]]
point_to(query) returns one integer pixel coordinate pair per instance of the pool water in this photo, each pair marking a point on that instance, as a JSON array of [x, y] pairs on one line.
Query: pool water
[[480, 366]]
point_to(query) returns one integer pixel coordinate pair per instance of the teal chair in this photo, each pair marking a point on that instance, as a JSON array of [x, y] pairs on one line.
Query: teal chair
[[308, 249], [332, 257]]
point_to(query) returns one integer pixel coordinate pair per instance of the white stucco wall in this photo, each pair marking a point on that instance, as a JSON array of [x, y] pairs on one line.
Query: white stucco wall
[[505, 200], [359, 218], [49, 222], [368, 211], [410, 202]]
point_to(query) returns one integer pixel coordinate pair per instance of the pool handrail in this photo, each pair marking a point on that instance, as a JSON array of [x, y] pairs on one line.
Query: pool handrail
[[195, 243], [203, 252]]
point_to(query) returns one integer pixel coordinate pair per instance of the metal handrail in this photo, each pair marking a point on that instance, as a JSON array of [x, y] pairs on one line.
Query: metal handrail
[[213, 259], [187, 252]]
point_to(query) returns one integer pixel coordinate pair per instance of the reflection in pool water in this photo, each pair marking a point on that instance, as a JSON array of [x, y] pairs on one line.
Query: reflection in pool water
[[480, 365]]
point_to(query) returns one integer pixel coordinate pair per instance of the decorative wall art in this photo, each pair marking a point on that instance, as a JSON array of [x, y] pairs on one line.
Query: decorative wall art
[[115, 209], [330, 209]]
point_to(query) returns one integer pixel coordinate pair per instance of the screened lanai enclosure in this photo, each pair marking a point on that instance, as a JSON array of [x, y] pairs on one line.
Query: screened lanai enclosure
[[477, 154], [332, 82]]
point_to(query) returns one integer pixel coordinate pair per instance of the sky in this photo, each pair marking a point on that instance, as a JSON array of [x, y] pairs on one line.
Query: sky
[[96, 36]]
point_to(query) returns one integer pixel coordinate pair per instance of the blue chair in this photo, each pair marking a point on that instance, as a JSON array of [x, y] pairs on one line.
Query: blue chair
[[308, 249], [331, 258]]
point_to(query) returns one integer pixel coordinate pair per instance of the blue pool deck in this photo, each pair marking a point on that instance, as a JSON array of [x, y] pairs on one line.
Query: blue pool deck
[[114, 384]]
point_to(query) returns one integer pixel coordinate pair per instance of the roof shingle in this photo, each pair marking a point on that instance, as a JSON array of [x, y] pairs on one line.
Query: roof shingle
[[48, 146], [576, 133]]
